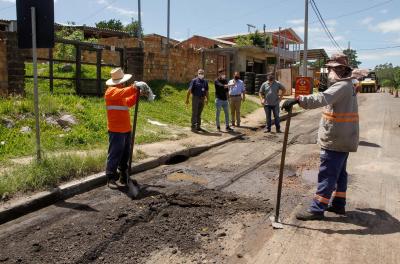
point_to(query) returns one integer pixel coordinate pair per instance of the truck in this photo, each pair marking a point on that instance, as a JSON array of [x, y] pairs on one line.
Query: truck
[[369, 83]]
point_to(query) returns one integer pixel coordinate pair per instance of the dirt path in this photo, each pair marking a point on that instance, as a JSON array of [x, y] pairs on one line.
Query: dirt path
[[370, 232]]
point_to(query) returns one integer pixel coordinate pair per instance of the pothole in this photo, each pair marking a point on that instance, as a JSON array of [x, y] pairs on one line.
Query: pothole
[[176, 159]]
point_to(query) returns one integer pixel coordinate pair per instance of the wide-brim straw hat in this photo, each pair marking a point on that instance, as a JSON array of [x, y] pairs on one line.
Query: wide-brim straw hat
[[338, 59], [117, 77]]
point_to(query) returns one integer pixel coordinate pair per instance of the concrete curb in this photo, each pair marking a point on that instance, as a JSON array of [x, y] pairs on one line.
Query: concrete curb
[[70, 189]]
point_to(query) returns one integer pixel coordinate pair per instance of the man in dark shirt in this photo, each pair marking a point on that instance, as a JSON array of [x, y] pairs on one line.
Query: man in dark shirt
[[221, 99], [198, 88]]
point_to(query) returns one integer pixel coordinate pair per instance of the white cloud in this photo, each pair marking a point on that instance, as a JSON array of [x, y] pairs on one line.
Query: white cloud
[[388, 26], [296, 21], [8, 1], [331, 22], [118, 10], [122, 11], [384, 11], [366, 21]]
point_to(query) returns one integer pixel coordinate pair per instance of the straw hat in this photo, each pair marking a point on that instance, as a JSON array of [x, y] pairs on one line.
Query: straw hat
[[117, 77]]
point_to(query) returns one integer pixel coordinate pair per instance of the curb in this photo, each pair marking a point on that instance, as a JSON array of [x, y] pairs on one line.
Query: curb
[[70, 189]]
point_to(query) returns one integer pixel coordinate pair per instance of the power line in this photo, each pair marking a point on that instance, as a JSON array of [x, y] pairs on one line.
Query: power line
[[324, 26], [7, 7], [98, 11], [382, 48], [358, 11]]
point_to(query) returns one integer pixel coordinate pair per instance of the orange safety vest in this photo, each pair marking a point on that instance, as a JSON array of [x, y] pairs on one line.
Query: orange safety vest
[[118, 102]]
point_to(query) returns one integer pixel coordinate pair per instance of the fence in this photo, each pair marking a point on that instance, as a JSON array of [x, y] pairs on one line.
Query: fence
[[85, 84]]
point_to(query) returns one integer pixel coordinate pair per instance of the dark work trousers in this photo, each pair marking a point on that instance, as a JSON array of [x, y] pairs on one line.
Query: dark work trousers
[[118, 152], [197, 109], [275, 109], [332, 181]]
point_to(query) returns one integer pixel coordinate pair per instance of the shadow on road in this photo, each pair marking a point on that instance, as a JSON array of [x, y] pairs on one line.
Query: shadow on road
[[368, 144], [372, 222], [76, 206]]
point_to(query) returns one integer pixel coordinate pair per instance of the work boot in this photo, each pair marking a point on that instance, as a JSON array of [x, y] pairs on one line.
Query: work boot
[[309, 216], [336, 209], [278, 131], [111, 179], [122, 176], [229, 129], [219, 129]]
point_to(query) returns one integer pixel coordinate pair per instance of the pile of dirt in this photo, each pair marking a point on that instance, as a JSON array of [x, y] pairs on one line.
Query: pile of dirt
[[178, 220]]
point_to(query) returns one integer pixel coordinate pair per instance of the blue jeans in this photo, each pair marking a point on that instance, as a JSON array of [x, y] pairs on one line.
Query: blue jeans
[[275, 109], [118, 152], [224, 104], [332, 181]]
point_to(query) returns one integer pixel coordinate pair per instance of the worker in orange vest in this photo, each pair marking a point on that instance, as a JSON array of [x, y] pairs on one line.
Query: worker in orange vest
[[119, 99]]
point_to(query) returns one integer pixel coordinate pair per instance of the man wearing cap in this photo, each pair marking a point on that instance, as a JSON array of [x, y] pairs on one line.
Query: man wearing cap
[[236, 97], [338, 135], [221, 99], [270, 98], [198, 88], [118, 101]]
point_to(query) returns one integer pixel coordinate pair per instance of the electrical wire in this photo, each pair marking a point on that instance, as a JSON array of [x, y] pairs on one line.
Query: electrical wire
[[98, 11], [381, 48], [324, 26], [358, 11]]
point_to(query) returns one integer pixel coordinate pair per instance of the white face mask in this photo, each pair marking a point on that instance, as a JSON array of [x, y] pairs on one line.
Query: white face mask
[[333, 77], [201, 76], [223, 76]]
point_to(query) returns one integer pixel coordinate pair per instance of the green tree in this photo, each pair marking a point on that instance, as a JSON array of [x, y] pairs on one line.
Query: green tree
[[110, 24], [133, 28], [352, 55], [252, 39]]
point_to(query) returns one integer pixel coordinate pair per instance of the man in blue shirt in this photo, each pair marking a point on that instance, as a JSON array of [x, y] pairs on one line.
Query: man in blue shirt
[[198, 88], [236, 96], [270, 98]]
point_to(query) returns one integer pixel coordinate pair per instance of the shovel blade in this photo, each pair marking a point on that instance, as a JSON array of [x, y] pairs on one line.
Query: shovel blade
[[275, 224], [133, 190]]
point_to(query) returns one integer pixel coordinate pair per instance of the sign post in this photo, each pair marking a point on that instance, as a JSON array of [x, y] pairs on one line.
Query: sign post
[[35, 27], [35, 83]]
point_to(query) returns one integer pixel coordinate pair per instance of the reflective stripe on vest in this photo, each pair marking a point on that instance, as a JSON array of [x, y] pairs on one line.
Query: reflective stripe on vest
[[341, 117], [117, 107]]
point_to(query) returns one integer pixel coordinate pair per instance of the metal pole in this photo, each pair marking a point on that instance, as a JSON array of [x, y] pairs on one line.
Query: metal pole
[[282, 166], [168, 36], [305, 39], [279, 49], [35, 83], [140, 23]]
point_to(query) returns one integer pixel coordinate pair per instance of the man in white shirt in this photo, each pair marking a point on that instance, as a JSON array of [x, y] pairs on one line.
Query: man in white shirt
[[236, 96]]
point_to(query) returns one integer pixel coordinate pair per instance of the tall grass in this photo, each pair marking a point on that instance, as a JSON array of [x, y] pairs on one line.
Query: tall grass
[[50, 172]]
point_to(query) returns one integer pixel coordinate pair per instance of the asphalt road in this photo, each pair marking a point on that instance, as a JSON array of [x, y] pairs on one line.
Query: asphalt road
[[370, 231], [212, 208]]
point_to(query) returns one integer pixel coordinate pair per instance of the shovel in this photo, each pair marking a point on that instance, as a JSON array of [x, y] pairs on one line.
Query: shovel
[[276, 222], [133, 188]]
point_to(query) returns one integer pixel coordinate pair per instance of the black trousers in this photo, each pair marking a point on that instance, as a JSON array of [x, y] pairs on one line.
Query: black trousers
[[118, 152]]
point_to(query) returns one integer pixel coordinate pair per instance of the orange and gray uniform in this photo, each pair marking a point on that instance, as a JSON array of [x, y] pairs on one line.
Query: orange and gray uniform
[[338, 129], [338, 135], [118, 102]]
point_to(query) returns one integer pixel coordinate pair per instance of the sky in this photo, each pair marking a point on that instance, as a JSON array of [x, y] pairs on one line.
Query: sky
[[371, 26]]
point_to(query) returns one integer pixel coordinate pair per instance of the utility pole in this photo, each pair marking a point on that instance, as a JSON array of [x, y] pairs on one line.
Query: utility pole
[[305, 39], [140, 24]]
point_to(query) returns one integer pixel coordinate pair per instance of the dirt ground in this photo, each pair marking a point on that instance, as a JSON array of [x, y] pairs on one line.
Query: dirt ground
[[212, 208]]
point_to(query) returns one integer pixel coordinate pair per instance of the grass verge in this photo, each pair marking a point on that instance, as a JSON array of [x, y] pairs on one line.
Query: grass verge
[[48, 173]]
